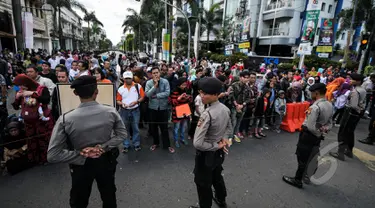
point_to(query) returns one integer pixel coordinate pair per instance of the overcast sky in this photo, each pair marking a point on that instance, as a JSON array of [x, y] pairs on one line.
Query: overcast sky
[[111, 13]]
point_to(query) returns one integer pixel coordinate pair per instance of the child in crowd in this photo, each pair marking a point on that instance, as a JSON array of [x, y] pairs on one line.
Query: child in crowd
[[30, 101], [280, 110], [260, 109]]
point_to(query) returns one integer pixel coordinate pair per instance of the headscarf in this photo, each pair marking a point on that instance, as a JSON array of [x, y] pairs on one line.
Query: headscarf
[[311, 78], [296, 85], [23, 80], [95, 63], [343, 89], [333, 86]]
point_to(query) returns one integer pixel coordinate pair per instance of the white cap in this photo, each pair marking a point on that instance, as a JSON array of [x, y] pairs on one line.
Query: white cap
[[127, 74]]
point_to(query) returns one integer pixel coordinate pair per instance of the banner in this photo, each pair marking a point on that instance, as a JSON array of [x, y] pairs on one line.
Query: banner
[[28, 29], [174, 38], [166, 44], [244, 45], [310, 26], [246, 29], [326, 32]]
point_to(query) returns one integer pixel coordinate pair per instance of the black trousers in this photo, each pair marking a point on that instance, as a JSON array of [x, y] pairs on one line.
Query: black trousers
[[348, 124], [307, 155], [245, 123], [193, 125], [3, 121], [208, 168], [339, 113], [159, 119], [102, 170]]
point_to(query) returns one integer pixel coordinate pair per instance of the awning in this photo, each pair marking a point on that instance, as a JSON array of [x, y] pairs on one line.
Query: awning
[[6, 35]]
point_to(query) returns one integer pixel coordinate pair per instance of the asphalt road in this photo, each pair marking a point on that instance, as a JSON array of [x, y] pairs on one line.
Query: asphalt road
[[253, 172]]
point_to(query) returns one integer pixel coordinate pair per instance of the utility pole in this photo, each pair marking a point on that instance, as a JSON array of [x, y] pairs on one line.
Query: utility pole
[[346, 54], [17, 16], [273, 28]]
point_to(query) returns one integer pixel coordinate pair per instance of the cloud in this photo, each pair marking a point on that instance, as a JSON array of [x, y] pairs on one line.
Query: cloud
[[111, 13]]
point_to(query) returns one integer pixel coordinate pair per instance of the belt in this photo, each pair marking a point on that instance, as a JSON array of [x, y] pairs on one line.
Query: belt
[[133, 109]]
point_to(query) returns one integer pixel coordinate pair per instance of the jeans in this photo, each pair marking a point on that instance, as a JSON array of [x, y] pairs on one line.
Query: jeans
[[236, 120], [278, 120], [131, 120], [179, 127]]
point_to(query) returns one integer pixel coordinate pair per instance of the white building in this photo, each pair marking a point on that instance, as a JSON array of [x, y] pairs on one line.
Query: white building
[[72, 29], [7, 29]]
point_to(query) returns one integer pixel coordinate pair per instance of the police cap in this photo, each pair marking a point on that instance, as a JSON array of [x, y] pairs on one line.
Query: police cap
[[357, 77], [318, 87], [210, 85], [83, 81]]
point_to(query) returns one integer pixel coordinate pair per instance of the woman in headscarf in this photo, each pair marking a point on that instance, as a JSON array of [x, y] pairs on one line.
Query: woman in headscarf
[[310, 82], [294, 93], [179, 97], [38, 131], [340, 97]]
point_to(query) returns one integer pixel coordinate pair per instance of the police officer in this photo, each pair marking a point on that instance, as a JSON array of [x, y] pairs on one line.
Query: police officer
[[83, 138], [371, 136], [211, 141], [317, 123], [354, 110]]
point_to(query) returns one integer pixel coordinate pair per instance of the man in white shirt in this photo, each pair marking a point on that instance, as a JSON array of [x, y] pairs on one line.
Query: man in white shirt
[[83, 68], [32, 72], [54, 61]]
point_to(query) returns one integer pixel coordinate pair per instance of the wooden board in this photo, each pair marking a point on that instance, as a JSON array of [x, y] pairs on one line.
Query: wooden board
[[68, 100]]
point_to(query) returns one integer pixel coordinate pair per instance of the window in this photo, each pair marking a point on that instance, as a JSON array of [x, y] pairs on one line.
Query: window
[[330, 8], [323, 6], [342, 36], [26, 3]]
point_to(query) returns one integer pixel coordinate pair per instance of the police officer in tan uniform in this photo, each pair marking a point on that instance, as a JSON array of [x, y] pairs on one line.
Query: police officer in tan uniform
[[317, 123], [211, 139], [87, 138]]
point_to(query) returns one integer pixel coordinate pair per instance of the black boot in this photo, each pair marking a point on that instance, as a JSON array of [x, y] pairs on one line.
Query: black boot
[[221, 204], [366, 141], [306, 180], [338, 155], [349, 153], [292, 181]]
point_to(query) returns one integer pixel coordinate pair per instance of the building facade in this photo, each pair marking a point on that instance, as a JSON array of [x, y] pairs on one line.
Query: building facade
[[7, 29]]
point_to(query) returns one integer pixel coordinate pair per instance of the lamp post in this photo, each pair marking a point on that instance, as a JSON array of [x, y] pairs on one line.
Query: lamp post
[[273, 28]]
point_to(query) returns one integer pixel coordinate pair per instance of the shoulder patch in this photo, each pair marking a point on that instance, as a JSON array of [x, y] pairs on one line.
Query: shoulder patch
[[308, 111], [201, 120]]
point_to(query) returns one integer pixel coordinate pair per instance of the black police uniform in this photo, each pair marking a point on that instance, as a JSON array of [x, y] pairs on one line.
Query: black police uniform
[[371, 128]]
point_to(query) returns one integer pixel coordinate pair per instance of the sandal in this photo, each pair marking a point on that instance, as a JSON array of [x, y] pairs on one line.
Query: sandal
[[261, 134], [171, 150], [153, 147]]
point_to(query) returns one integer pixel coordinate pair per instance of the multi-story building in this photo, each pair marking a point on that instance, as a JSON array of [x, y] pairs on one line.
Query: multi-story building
[[72, 29], [274, 23], [7, 30]]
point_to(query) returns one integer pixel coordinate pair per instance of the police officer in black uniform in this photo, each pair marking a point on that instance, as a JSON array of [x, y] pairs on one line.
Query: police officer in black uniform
[[211, 138], [87, 138], [317, 123]]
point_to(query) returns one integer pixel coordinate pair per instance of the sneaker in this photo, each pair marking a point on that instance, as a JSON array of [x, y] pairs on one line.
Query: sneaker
[[237, 139], [278, 131], [240, 135], [137, 148], [177, 145], [171, 150], [125, 150], [337, 125], [185, 142], [265, 127]]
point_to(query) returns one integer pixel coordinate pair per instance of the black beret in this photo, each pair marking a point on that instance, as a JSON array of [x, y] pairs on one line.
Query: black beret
[[83, 81], [210, 85], [317, 87], [357, 77]]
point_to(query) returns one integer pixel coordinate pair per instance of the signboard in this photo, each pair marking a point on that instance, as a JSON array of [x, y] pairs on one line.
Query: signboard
[[324, 49], [68, 100], [244, 45], [165, 46], [323, 55], [304, 49], [313, 5], [326, 32], [229, 47], [28, 29], [310, 26], [228, 53]]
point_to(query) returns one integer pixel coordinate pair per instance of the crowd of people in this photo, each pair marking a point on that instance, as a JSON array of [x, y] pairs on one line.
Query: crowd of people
[[151, 94]]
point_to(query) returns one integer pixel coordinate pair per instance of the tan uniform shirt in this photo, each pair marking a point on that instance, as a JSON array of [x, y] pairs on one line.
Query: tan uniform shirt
[[319, 117], [213, 125], [87, 126]]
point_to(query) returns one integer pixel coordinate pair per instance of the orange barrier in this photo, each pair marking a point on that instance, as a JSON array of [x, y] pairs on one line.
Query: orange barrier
[[295, 116]]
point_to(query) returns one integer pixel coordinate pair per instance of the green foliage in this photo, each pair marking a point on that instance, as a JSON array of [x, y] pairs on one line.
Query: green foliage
[[234, 58], [368, 70], [285, 66], [315, 61], [219, 58]]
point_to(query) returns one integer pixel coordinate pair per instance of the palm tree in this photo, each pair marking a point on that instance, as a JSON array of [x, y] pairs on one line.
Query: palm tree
[[57, 5], [134, 21], [210, 20], [91, 17], [96, 30]]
